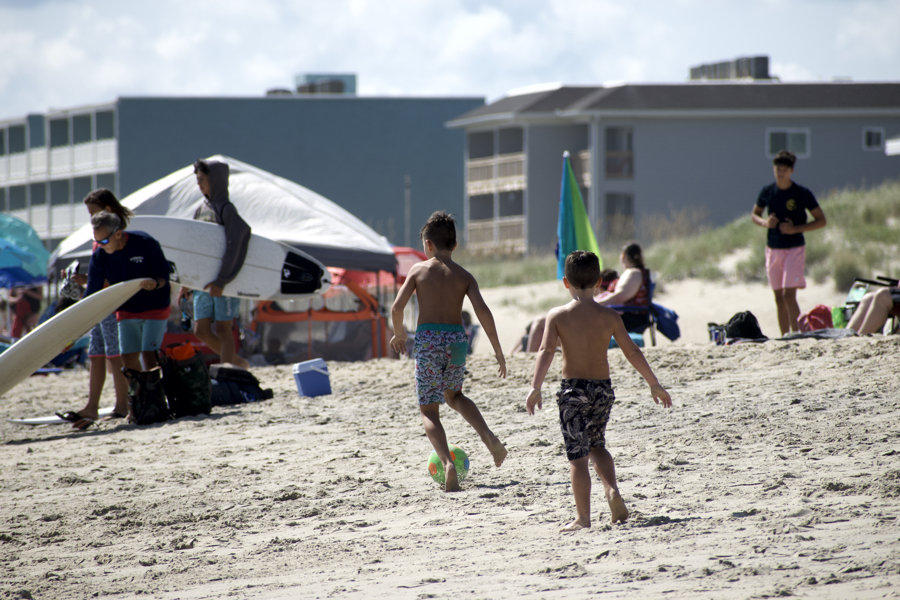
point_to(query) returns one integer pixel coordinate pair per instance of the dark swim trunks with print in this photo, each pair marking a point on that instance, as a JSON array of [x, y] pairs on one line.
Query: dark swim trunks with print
[[584, 407]]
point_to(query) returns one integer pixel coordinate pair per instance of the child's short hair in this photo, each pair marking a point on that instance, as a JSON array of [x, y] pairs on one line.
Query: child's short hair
[[440, 230], [582, 269], [785, 158]]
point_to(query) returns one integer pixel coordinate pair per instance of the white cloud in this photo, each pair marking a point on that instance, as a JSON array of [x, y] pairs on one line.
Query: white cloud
[[872, 31], [70, 52]]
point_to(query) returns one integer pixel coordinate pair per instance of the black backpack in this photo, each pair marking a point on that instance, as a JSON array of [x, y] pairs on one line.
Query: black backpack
[[235, 386], [743, 325], [146, 395], [187, 385]]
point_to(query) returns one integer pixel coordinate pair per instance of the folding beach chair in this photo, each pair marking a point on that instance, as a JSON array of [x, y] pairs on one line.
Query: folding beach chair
[[642, 310]]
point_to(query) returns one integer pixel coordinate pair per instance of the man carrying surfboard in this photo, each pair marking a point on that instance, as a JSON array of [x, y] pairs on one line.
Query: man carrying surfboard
[[214, 314]]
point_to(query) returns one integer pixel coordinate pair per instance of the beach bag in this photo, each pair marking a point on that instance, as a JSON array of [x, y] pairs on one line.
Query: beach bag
[[186, 381], [743, 325], [146, 396], [818, 318], [235, 386]]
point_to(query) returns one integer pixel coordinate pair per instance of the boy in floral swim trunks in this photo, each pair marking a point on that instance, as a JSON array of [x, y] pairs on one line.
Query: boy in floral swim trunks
[[441, 343], [583, 328]]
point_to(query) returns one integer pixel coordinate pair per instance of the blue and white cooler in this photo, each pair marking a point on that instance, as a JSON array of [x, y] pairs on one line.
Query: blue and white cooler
[[312, 378]]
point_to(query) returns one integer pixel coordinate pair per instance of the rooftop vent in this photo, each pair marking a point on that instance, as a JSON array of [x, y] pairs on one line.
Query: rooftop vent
[[745, 67]]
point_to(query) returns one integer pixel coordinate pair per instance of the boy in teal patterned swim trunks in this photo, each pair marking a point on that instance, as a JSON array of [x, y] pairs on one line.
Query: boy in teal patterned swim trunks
[[440, 346], [585, 397]]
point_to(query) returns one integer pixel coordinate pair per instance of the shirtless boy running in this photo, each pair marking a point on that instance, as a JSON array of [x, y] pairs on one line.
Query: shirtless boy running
[[585, 397], [441, 342]]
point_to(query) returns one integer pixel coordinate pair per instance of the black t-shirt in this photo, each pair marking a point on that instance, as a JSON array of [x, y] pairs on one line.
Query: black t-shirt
[[792, 204]]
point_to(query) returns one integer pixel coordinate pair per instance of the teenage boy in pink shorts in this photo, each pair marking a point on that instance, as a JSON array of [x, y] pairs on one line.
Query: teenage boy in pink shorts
[[785, 247]]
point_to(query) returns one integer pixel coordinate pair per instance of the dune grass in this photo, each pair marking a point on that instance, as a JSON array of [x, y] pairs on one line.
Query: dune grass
[[862, 239]]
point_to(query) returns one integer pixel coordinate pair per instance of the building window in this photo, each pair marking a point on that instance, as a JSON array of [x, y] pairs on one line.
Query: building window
[[619, 217], [793, 140], [81, 129], [37, 131], [81, 187], [107, 180], [873, 138], [106, 128], [2, 200], [2, 142], [59, 133], [17, 139], [481, 207], [18, 198], [481, 144], [59, 192], [619, 153], [512, 204], [38, 194], [510, 140]]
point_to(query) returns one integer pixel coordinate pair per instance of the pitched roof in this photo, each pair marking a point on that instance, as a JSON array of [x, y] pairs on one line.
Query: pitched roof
[[694, 96]]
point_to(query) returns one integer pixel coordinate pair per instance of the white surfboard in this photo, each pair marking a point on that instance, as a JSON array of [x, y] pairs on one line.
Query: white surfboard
[[49, 339], [54, 420], [271, 270]]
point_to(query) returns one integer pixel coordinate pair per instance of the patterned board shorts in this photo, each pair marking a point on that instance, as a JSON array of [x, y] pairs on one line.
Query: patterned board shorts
[[584, 407], [105, 338], [440, 352]]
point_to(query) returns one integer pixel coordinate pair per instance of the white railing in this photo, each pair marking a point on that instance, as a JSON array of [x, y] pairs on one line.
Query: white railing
[[83, 156], [502, 173], [61, 220], [40, 220], [107, 153], [18, 166], [37, 161], [506, 234], [4, 168], [61, 160], [584, 167]]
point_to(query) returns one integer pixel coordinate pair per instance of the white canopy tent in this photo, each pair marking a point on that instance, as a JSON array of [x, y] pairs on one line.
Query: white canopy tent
[[273, 206]]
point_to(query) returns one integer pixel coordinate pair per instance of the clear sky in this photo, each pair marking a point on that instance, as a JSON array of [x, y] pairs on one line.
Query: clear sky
[[65, 53]]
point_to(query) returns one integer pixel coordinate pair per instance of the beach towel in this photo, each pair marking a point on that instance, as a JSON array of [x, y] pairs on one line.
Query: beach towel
[[666, 321]]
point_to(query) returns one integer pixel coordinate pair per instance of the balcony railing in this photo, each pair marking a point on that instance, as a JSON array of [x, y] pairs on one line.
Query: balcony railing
[[583, 168], [505, 235], [502, 173]]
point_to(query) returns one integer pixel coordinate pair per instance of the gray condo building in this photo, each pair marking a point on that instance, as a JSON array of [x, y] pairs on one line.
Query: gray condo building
[[360, 152], [643, 151]]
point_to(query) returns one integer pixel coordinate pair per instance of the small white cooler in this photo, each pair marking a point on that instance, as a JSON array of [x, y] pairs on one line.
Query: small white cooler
[[312, 378]]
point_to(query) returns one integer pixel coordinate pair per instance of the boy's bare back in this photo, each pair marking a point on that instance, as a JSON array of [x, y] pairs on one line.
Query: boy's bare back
[[441, 286], [583, 329]]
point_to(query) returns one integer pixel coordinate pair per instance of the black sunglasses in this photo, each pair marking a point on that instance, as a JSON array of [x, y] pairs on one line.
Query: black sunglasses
[[109, 237]]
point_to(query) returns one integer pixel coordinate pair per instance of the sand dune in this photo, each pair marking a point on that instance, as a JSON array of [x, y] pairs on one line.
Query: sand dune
[[775, 474]]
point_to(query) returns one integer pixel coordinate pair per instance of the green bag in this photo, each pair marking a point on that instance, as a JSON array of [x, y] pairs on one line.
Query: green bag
[[187, 385]]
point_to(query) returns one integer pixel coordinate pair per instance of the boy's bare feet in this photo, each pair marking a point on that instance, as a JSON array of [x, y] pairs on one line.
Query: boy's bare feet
[[617, 508], [451, 481], [498, 451], [575, 526]]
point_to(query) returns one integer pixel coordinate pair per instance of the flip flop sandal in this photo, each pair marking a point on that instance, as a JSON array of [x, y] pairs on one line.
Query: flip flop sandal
[[71, 417], [83, 424]]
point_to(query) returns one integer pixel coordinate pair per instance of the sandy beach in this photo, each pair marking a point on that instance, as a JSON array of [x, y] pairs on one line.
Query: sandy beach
[[775, 474]]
